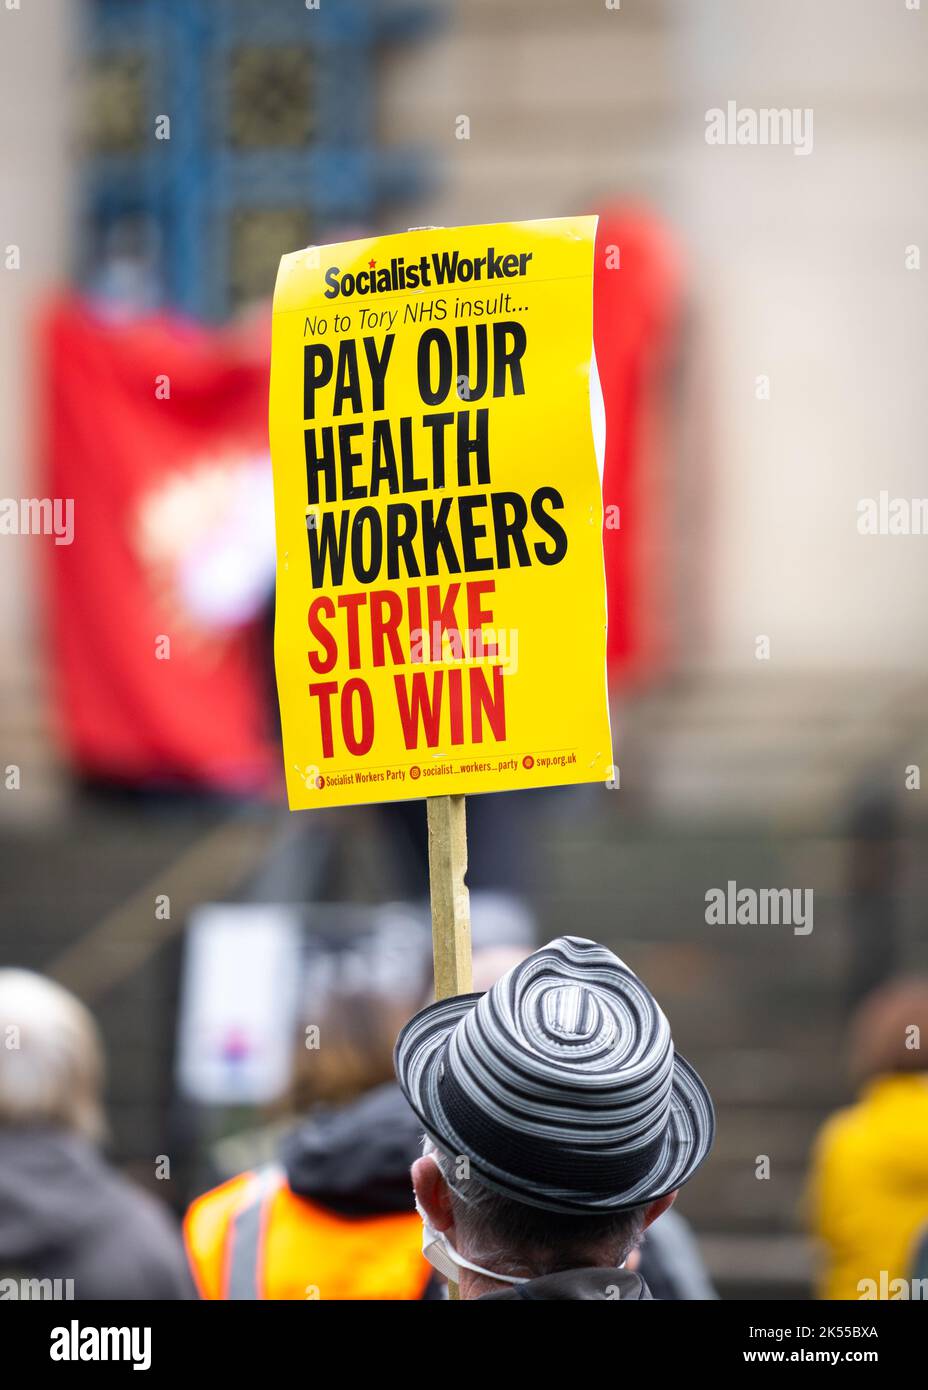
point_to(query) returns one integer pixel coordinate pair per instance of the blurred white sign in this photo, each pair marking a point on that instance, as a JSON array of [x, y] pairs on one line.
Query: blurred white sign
[[239, 1010]]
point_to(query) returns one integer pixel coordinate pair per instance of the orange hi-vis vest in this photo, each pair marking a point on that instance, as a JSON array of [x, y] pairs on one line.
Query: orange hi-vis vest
[[253, 1238]]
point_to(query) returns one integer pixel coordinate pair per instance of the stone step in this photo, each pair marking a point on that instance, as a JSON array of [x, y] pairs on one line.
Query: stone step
[[729, 1197], [758, 1266]]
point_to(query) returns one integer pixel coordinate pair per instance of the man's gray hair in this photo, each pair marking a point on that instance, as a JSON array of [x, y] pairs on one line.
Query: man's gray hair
[[514, 1238], [51, 1060]]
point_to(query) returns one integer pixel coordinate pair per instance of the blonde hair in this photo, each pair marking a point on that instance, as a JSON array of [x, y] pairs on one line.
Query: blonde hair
[[51, 1058]]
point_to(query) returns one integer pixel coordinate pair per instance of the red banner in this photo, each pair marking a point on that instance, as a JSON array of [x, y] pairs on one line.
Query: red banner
[[158, 432], [636, 292]]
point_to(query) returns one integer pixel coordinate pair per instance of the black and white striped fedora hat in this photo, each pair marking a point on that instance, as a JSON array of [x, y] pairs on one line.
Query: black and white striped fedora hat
[[560, 1084]]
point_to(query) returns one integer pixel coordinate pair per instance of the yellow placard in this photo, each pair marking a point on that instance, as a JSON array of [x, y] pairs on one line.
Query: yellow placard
[[441, 609]]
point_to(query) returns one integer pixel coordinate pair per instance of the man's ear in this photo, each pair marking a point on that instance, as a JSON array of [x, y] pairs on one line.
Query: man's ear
[[658, 1208], [432, 1193]]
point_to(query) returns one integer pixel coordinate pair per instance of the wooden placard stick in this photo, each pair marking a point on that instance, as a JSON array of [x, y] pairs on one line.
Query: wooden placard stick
[[447, 867], [450, 899], [451, 950], [450, 905]]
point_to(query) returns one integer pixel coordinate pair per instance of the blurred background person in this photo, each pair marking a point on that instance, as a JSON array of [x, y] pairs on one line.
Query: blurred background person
[[333, 1215], [333, 1219], [670, 1262], [868, 1197], [64, 1212]]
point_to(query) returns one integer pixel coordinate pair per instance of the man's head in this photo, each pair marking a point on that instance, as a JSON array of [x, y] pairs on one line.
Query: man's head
[[560, 1120], [51, 1061], [513, 1239]]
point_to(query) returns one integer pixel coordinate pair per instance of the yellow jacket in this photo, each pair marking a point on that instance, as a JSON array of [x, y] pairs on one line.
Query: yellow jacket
[[869, 1188]]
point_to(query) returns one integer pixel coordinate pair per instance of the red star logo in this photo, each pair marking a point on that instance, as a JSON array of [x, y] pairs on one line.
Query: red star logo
[[371, 264]]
